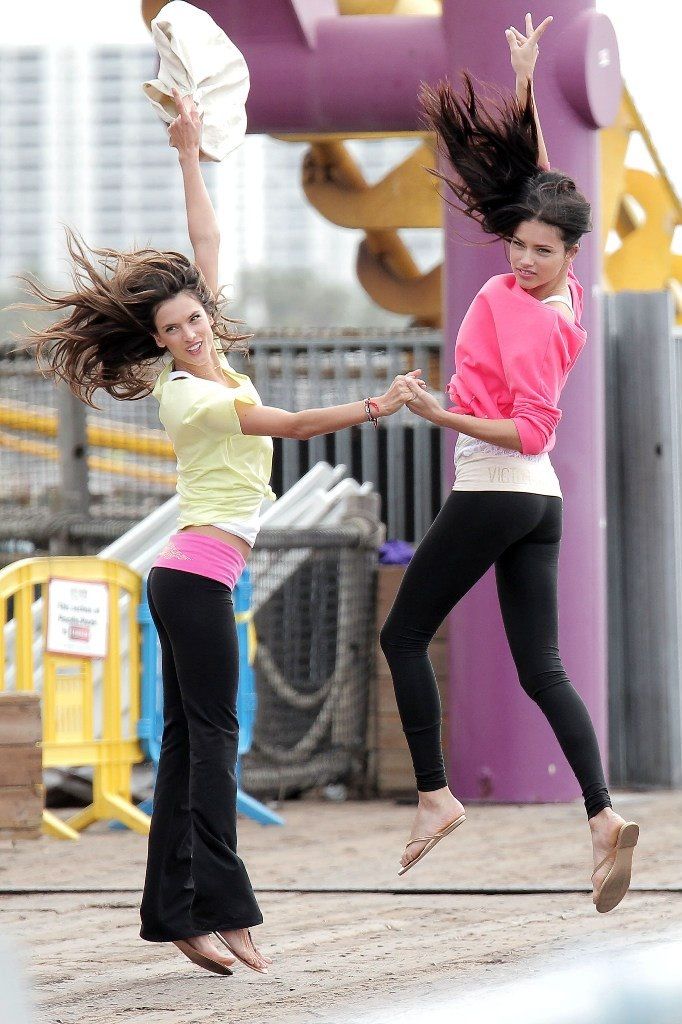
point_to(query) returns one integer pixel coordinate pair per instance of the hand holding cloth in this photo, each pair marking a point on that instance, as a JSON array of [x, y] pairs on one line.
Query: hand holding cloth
[[198, 59]]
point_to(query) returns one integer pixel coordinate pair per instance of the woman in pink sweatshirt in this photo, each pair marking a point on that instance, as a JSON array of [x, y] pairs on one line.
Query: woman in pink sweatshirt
[[516, 346]]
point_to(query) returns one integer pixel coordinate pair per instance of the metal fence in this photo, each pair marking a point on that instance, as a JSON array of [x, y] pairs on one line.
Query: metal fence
[[127, 468], [402, 459], [63, 486], [130, 471], [314, 613], [644, 492]]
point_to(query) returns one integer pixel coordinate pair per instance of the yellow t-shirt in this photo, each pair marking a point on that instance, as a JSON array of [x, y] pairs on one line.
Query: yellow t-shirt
[[222, 473]]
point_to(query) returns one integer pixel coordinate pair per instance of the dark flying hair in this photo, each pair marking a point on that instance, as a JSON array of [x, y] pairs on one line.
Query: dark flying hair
[[494, 151]]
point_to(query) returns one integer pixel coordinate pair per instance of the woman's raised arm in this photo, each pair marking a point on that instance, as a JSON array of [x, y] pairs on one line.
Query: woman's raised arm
[[524, 53], [184, 133]]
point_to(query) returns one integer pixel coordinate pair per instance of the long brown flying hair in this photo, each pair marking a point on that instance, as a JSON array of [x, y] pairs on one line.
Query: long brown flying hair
[[105, 340]]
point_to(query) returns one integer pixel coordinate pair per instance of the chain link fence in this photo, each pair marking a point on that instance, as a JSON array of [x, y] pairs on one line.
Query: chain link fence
[[314, 603], [76, 478]]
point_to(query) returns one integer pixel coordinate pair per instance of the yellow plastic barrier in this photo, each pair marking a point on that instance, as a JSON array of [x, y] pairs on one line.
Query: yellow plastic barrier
[[70, 705]]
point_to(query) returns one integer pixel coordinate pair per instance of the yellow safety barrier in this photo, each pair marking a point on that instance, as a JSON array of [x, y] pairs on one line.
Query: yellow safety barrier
[[81, 726]]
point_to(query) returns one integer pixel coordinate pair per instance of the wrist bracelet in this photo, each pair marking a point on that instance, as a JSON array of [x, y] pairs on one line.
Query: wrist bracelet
[[369, 414]]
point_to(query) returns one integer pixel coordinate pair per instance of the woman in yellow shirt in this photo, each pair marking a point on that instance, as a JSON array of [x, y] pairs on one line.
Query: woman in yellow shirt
[[197, 891]]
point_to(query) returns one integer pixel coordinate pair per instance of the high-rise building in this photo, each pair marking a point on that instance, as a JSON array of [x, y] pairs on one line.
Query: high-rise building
[[80, 145]]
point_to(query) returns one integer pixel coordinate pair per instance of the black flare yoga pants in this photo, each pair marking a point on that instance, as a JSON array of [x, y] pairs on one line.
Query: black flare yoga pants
[[519, 534], [195, 882]]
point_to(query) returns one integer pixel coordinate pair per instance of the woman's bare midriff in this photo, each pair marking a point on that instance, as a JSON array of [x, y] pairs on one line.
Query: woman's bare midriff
[[238, 543]]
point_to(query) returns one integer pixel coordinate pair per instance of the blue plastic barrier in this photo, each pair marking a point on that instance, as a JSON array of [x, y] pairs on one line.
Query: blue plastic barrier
[[150, 726]]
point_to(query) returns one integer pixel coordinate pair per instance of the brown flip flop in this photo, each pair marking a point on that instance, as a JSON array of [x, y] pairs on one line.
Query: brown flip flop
[[617, 882], [217, 966], [431, 841]]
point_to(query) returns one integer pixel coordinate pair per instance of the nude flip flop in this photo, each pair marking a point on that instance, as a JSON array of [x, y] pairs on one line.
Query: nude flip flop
[[258, 970], [431, 841], [217, 966], [617, 882]]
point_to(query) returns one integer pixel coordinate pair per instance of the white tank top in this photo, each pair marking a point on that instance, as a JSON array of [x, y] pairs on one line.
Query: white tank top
[[480, 466]]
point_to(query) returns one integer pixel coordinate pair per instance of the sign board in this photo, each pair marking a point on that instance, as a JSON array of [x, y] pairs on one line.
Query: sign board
[[77, 618]]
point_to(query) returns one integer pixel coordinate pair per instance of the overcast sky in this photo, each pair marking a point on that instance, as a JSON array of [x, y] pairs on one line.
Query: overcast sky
[[649, 35]]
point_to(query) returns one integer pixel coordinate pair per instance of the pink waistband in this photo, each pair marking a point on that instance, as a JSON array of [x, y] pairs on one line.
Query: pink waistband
[[202, 555]]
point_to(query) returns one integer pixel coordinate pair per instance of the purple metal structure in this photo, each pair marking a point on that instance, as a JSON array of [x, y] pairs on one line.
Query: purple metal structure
[[315, 71]]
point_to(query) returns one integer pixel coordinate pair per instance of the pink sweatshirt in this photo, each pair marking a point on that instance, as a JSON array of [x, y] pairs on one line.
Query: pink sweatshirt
[[512, 358]]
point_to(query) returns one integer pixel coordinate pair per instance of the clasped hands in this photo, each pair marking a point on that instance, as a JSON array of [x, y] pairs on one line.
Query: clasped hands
[[410, 390]]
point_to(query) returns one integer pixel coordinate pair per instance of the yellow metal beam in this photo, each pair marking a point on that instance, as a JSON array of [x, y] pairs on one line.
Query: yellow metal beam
[[644, 262], [418, 296], [643, 209], [18, 416], [406, 197], [45, 450], [401, 8]]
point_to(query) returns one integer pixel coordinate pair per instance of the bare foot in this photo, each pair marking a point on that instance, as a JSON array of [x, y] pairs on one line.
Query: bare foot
[[204, 944], [435, 811], [604, 828], [243, 947]]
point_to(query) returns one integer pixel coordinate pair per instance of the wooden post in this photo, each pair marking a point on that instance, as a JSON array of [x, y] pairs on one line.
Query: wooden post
[[21, 780]]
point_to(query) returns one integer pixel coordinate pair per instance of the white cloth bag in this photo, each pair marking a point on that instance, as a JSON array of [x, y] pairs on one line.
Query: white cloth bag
[[197, 58]]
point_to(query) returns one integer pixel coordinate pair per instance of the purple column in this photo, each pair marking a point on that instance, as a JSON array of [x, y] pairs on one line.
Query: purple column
[[312, 71]]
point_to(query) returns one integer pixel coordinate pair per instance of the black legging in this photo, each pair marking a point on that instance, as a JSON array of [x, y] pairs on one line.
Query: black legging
[[195, 882], [520, 534]]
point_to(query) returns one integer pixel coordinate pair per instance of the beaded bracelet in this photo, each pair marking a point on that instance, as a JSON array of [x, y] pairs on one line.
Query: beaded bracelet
[[369, 414]]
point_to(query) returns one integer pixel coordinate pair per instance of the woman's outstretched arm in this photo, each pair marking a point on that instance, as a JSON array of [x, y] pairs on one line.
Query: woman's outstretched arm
[[524, 53], [185, 135], [267, 421]]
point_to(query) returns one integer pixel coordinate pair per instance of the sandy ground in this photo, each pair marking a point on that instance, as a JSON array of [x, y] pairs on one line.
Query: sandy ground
[[338, 953]]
